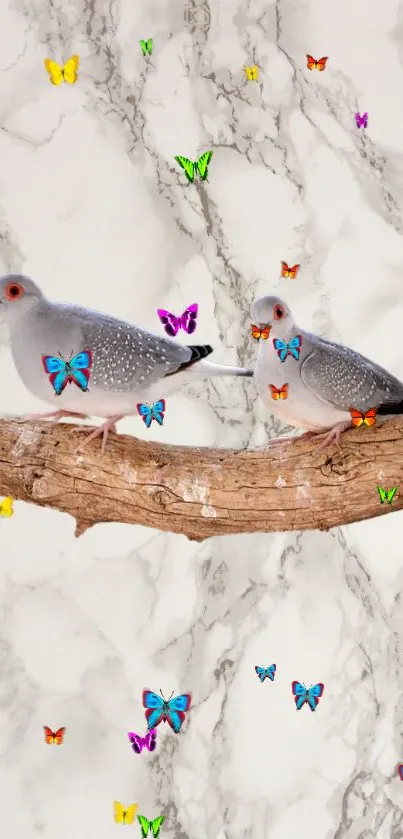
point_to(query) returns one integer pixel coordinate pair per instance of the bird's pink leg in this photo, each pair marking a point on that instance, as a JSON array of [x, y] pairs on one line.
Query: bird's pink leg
[[333, 434], [54, 415], [104, 429]]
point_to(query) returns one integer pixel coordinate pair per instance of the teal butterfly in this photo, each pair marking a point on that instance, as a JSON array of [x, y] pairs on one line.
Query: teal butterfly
[[200, 165], [155, 826], [147, 46], [386, 495]]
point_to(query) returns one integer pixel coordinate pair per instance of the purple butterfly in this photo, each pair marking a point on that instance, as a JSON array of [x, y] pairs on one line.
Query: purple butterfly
[[186, 321], [362, 121], [139, 743]]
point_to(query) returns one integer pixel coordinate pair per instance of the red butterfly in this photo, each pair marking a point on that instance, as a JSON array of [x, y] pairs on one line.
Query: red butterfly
[[286, 271], [54, 738], [357, 418], [312, 64], [279, 393], [260, 333]]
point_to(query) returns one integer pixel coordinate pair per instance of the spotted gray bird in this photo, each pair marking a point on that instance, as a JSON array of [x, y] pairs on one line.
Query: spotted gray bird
[[324, 382], [130, 365]]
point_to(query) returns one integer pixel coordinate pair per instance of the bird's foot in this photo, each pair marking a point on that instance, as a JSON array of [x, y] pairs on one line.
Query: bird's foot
[[104, 429], [54, 416], [333, 434]]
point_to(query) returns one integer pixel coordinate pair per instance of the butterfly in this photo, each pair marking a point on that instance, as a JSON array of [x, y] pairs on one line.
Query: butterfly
[[286, 271], [260, 333], [292, 348], [76, 369], [124, 815], [252, 73], [309, 695], [155, 412], [386, 494], [279, 393], [139, 743], [266, 672], [147, 46], [170, 711], [362, 121], [200, 165], [155, 825], [173, 323], [6, 507], [357, 418], [66, 73], [320, 64], [54, 738], [400, 770]]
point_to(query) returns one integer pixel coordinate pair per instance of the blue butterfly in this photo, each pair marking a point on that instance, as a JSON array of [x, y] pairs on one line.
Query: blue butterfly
[[61, 372], [162, 710], [292, 348], [309, 695], [155, 412], [266, 672]]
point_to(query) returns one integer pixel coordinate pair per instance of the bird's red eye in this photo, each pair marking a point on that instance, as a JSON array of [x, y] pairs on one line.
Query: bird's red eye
[[278, 312], [14, 291]]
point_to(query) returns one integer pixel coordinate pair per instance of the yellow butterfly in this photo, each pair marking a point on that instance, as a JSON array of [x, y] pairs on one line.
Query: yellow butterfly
[[124, 815], [59, 74], [252, 73], [6, 507]]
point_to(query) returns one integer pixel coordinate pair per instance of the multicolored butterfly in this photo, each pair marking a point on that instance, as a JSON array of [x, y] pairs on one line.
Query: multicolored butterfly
[[61, 372], [192, 167], [252, 73], [139, 743], [386, 494], [279, 393], [65, 73], [54, 738], [266, 672], [286, 271], [358, 418], [400, 770], [258, 333], [154, 412], [362, 121], [155, 826], [173, 323], [171, 711], [309, 695], [124, 815], [6, 507], [283, 349], [312, 64], [146, 46]]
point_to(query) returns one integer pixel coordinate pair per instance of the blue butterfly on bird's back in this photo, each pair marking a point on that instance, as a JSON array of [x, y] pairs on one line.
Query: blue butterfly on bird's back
[[309, 695], [170, 710], [283, 349], [266, 672], [149, 413], [62, 372]]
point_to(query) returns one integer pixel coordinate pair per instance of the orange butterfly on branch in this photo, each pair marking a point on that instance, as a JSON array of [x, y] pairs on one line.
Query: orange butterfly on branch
[[258, 334], [312, 64], [279, 393], [54, 738], [358, 418], [286, 271]]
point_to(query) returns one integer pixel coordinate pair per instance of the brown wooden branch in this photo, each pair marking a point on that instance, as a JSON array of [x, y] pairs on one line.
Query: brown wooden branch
[[203, 492]]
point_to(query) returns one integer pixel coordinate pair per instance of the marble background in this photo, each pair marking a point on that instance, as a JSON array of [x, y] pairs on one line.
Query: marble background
[[93, 206]]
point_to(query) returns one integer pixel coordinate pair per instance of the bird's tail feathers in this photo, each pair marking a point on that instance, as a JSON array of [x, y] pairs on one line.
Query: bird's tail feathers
[[204, 369], [390, 409]]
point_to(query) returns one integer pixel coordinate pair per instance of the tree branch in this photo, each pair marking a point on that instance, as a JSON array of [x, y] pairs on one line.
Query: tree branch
[[202, 492]]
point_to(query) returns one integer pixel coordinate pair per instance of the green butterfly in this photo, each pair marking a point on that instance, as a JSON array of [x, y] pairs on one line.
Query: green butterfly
[[147, 46], [200, 165], [386, 495], [155, 825]]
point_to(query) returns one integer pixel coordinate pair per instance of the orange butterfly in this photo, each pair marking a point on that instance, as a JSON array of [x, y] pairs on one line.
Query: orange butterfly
[[260, 333], [357, 418], [279, 393], [320, 64], [286, 271], [54, 738]]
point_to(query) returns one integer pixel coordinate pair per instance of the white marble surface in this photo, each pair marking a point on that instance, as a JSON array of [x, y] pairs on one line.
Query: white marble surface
[[94, 208]]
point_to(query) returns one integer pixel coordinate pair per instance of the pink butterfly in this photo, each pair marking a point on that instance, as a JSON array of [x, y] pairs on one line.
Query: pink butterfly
[[362, 121], [186, 321], [139, 743]]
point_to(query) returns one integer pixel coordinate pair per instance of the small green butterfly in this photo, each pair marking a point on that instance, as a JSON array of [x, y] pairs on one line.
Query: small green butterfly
[[147, 46], [200, 165], [386, 495], [155, 825]]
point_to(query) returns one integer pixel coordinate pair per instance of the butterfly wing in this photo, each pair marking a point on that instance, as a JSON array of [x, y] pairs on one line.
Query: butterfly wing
[[202, 164], [155, 708], [80, 369], [321, 63], [249, 74], [137, 742], [271, 672], [145, 825], [49, 735], [261, 672], [391, 494], [175, 709], [58, 736], [358, 120], [300, 694], [364, 119], [150, 740], [310, 62], [314, 694], [284, 391], [382, 494], [275, 393], [255, 332], [145, 412], [294, 346], [171, 322], [187, 165], [285, 269], [55, 71], [52, 364], [370, 417], [143, 45], [70, 69], [293, 271], [158, 410], [400, 770], [6, 507], [188, 319], [357, 417], [281, 348], [156, 826], [130, 813], [149, 46]]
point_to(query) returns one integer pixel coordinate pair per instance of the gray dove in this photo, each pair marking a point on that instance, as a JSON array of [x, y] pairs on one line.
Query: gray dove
[[130, 365], [325, 380]]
